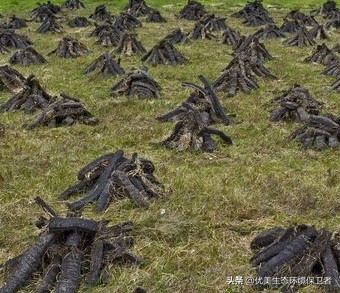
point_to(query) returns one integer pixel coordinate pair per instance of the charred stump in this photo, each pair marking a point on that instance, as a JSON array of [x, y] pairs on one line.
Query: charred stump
[[204, 100], [191, 133], [114, 176], [10, 39], [68, 251], [69, 48], [155, 16], [11, 79], [201, 32], [79, 21], [193, 10], [177, 37], [100, 13], [137, 83], [270, 32], [296, 104], [300, 251], [74, 4], [322, 55], [318, 32], [105, 64], [300, 39], [319, 132], [230, 37], [164, 52], [26, 57], [64, 111], [30, 98], [129, 45]]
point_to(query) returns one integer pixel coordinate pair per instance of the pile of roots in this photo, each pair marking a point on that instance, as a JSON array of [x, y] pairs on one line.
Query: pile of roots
[[137, 83], [296, 104], [164, 52], [69, 251], [193, 10], [79, 21], [114, 176], [299, 251], [105, 64], [64, 111], [203, 99], [11, 79], [27, 57], [177, 37], [10, 39], [129, 45], [69, 47], [322, 55], [319, 132], [30, 98]]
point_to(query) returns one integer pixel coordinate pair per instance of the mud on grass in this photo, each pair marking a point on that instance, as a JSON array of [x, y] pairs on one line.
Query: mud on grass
[[219, 201]]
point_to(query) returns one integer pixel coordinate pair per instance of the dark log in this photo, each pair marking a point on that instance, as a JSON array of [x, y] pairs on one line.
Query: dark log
[[62, 225], [266, 238]]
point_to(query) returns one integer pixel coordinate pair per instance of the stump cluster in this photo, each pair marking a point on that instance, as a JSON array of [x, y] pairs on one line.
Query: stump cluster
[[32, 97], [137, 83], [319, 132], [164, 52], [105, 64], [26, 57], [69, 251], [69, 47], [296, 104], [299, 251], [115, 176], [64, 111]]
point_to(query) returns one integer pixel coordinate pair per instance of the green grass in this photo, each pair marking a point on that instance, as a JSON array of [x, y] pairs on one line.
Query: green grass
[[218, 202]]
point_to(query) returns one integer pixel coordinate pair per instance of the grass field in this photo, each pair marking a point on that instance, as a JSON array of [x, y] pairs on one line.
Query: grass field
[[219, 201]]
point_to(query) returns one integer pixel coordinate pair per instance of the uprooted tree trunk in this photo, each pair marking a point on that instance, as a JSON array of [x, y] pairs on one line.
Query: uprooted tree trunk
[[319, 132], [301, 38], [79, 21], [204, 100], [30, 98], [299, 251], [26, 57], [130, 45], [69, 48], [65, 111], [230, 37], [11, 79], [137, 83], [296, 104], [192, 133], [322, 55], [10, 39], [177, 37], [164, 52], [67, 250], [193, 10], [105, 64], [114, 176]]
